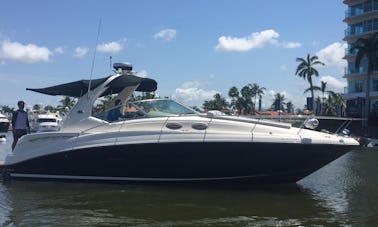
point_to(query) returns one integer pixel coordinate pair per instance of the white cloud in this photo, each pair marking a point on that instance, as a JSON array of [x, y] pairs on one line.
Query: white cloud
[[290, 44], [80, 52], [283, 67], [333, 54], [142, 73], [166, 34], [111, 47], [191, 93], [59, 50], [333, 83], [253, 41], [29, 53]]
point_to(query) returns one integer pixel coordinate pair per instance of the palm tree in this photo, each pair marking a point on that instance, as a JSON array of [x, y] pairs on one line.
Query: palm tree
[[7, 110], [248, 105], [306, 70], [239, 104], [322, 88], [290, 107], [317, 103], [280, 99], [257, 91], [67, 103], [367, 48], [50, 108], [36, 107], [338, 102], [233, 93], [218, 103]]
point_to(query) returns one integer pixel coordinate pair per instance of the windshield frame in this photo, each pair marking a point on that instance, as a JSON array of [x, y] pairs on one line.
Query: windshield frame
[[149, 108]]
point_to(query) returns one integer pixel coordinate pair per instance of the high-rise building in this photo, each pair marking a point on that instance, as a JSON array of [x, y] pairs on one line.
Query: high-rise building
[[362, 20]]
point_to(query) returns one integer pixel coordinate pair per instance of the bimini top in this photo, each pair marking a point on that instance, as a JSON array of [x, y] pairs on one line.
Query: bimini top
[[80, 87]]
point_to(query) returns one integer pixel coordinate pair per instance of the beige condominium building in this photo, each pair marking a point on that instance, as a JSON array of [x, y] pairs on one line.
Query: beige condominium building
[[361, 18]]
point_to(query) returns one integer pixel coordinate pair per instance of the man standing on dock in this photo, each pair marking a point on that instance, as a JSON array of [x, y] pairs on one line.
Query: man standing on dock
[[20, 123]]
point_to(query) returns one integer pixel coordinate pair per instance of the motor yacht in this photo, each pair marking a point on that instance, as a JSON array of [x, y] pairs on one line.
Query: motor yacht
[[3, 138], [4, 123], [44, 121], [161, 140]]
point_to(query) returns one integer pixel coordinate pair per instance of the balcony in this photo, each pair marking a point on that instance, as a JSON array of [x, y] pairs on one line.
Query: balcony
[[352, 2], [351, 70], [352, 34], [353, 17], [347, 96], [358, 7], [349, 53]]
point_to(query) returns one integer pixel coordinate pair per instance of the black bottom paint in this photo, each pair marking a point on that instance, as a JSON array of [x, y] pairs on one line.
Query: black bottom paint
[[213, 162]]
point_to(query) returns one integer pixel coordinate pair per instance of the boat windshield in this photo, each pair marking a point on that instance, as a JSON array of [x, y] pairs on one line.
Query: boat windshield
[[146, 109], [162, 107]]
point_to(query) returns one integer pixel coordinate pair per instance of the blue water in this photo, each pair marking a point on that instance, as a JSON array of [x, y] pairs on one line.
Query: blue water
[[344, 193]]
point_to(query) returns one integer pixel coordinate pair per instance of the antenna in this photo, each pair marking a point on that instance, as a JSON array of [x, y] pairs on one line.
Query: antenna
[[94, 55]]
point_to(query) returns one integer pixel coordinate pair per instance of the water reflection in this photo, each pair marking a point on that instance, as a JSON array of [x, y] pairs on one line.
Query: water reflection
[[5, 205], [49, 203], [348, 186]]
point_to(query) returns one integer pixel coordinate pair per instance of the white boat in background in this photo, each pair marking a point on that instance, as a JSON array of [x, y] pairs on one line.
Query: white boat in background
[[4, 123], [44, 121]]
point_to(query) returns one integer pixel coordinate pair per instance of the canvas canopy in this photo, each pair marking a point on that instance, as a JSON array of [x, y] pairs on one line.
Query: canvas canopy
[[80, 87]]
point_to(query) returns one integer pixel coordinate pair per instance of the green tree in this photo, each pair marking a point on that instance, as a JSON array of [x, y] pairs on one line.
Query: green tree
[[337, 102], [103, 103], [306, 69], [248, 105], [7, 110], [218, 103], [322, 88], [367, 48], [142, 96], [257, 92], [36, 107], [233, 93], [50, 108], [290, 107], [66, 103], [240, 105], [281, 99], [196, 108]]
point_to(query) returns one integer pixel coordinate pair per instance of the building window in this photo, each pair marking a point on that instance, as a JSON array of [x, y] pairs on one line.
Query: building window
[[356, 10], [375, 85], [368, 5], [355, 86], [359, 86], [368, 25], [361, 69], [375, 24]]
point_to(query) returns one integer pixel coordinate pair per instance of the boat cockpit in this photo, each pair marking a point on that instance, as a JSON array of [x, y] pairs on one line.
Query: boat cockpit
[[146, 109]]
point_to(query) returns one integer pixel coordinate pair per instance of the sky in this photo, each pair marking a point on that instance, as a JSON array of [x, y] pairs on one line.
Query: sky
[[192, 48]]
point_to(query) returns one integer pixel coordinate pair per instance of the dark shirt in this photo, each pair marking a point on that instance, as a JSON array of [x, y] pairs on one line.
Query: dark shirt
[[114, 114]]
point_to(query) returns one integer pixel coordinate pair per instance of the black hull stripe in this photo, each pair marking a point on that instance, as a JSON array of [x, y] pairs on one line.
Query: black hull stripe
[[102, 178], [183, 162]]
